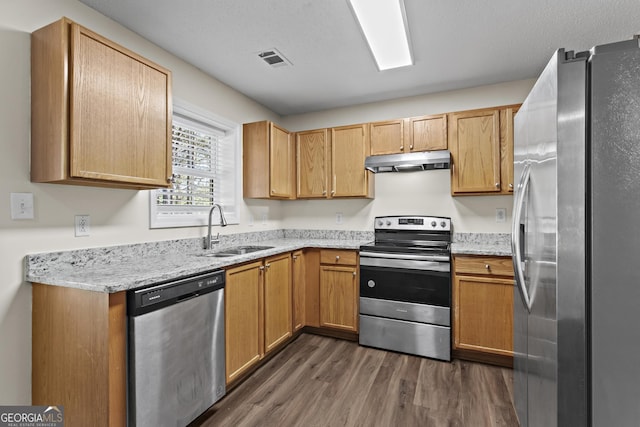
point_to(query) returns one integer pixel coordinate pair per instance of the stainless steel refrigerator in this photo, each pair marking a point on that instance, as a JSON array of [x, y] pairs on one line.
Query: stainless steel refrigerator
[[576, 241]]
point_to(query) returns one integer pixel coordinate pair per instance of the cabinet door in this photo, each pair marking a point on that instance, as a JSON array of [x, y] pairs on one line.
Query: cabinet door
[[387, 137], [244, 338], [506, 147], [120, 123], [298, 268], [281, 162], [428, 133], [483, 314], [277, 301], [312, 154], [339, 298], [474, 141], [349, 148]]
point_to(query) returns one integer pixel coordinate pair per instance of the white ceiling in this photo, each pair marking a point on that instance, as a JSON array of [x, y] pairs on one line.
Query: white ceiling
[[455, 44]]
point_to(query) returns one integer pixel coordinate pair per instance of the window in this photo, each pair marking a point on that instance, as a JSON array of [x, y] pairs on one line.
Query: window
[[205, 171]]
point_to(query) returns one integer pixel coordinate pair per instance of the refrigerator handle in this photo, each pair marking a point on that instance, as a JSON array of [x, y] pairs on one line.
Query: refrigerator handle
[[517, 234]]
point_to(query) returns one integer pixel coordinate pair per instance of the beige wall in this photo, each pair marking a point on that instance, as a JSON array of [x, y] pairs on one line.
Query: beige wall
[[121, 216]]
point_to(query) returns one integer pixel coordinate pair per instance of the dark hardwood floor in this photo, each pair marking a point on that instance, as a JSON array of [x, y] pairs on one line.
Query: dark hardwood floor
[[320, 381]]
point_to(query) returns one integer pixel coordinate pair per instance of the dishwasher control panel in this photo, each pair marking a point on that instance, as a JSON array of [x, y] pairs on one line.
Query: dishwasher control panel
[[140, 301]]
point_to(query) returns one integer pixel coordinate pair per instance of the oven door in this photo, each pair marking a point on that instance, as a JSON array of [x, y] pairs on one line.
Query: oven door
[[414, 280]]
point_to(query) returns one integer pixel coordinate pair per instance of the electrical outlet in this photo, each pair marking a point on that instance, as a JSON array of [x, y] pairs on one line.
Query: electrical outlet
[[501, 214], [338, 217], [250, 220], [83, 225], [264, 218], [21, 205]]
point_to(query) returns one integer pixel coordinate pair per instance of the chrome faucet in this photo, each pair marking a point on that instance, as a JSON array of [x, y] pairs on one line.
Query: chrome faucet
[[209, 240]]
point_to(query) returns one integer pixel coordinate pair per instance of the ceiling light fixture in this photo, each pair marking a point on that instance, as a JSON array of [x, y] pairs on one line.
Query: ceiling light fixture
[[384, 25]]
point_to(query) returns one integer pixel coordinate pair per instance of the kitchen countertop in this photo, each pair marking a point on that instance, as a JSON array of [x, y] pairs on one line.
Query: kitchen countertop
[[121, 268], [114, 269], [494, 244]]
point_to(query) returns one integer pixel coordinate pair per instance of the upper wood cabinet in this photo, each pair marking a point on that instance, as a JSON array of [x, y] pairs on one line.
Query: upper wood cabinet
[[312, 162], [349, 148], [506, 147], [415, 134], [100, 114], [481, 144], [387, 137], [268, 161], [427, 133]]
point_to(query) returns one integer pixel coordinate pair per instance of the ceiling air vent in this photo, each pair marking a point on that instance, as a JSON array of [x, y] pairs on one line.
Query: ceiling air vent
[[274, 58]]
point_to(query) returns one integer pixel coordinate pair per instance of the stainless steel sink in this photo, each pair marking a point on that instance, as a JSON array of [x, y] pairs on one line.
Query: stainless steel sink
[[238, 250], [241, 250], [215, 255]]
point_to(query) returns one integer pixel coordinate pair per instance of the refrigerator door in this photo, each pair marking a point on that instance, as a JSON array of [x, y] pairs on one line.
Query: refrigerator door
[[549, 229], [534, 241], [615, 236]]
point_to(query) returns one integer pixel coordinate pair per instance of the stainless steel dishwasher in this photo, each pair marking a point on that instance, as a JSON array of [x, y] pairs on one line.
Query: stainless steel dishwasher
[[176, 366]]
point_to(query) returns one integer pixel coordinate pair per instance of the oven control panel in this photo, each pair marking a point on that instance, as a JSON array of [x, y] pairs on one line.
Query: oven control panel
[[412, 223]]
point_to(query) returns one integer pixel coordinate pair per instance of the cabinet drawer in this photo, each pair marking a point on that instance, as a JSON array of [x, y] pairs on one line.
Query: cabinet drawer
[[484, 265], [338, 257]]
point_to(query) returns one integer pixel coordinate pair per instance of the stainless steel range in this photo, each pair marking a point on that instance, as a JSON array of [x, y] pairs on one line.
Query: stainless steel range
[[405, 286]]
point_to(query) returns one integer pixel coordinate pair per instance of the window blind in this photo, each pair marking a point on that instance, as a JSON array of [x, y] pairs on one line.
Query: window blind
[[204, 173]]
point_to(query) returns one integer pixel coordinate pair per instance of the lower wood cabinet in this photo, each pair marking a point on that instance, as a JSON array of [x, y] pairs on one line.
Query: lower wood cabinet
[[79, 354], [258, 311], [339, 290], [483, 309], [298, 270]]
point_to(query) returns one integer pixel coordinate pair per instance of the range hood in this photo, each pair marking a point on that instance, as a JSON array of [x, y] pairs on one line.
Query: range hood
[[427, 160]]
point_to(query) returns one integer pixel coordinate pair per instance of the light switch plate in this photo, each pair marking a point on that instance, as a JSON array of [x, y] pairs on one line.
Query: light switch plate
[[21, 205], [501, 214]]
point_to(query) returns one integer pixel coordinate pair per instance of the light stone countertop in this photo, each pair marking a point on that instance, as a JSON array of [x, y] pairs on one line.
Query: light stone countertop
[[121, 268], [118, 269], [495, 244]]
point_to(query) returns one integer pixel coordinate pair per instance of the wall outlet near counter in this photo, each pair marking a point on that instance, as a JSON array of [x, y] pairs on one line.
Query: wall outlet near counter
[[338, 217], [501, 214], [82, 225]]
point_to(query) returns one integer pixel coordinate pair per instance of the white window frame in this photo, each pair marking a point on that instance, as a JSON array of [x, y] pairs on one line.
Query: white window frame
[[230, 204]]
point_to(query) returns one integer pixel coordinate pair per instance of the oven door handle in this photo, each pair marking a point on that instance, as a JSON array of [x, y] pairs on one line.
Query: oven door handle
[[434, 258], [406, 264]]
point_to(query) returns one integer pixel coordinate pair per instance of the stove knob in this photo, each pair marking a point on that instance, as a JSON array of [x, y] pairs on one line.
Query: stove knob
[[433, 224], [380, 223], [443, 224], [388, 222]]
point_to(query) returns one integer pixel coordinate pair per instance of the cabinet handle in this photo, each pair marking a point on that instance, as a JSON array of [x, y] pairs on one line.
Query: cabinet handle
[[295, 257], [411, 147], [497, 185], [333, 192], [267, 265], [337, 257], [324, 192], [510, 185], [354, 274], [401, 147], [486, 266], [261, 268]]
